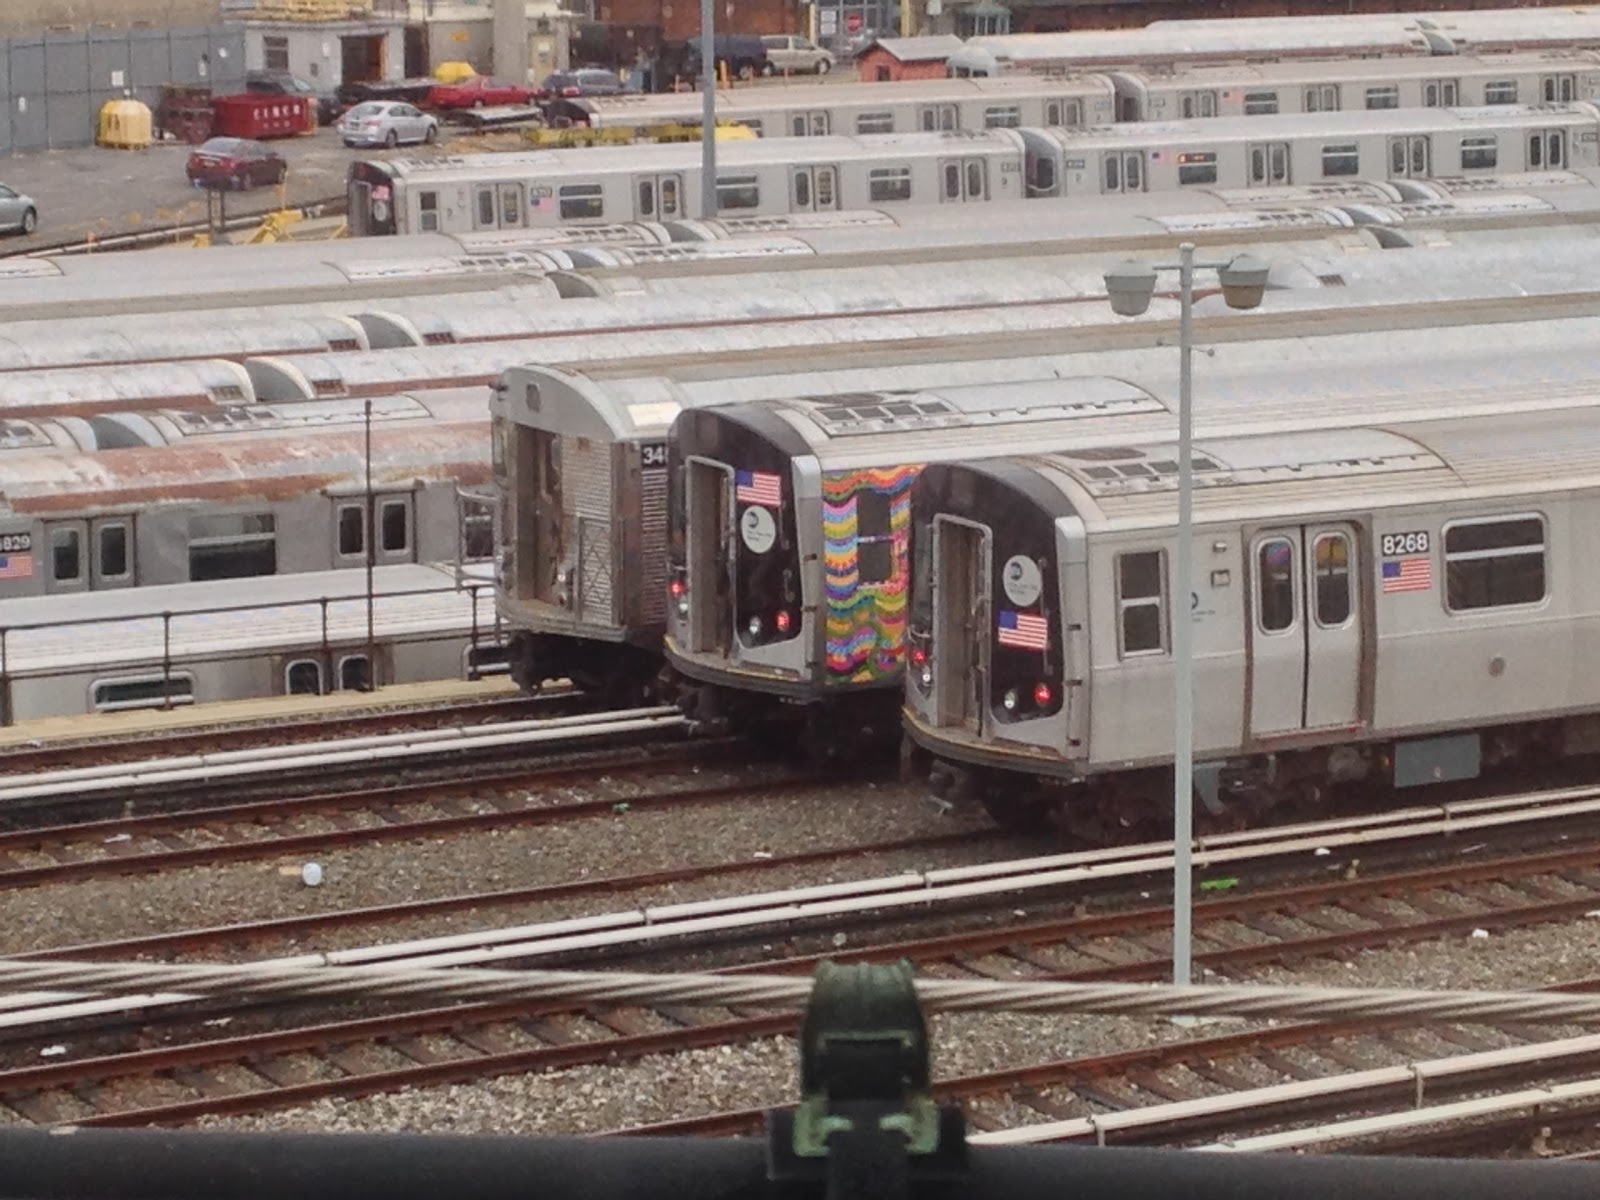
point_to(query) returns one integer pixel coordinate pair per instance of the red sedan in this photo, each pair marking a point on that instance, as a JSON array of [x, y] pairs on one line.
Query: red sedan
[[227, 162], [478, 92]]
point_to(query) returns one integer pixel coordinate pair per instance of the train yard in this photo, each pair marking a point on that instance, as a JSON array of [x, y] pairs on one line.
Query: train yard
[[546, 578]]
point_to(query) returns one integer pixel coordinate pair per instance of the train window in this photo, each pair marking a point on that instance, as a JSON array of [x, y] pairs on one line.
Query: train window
[[1383, 97], [1342, 158], [232, 546], [1275, 584], [1479, 153], [1439, 93], [874, 539], [1140, 588], [1554, 150], [1113, 172], [1197, 166], [303, 677], [886, 184], [510, 204], [825, 187], [113, 551], [66, 555], [1260, 104], [1197, 104], [1500, 91], [581, 201], [142, 691], [428, 211], [802, 190], [821, 123], [738, 191], [394, 526], [1002, 116], [975, 180], [486, 208], [647, 199], [797, 125], [477, 530], [669, 195], [1041, 177], [1332, 568], [952, 181], [354, 673], [1493, 563], [352, 530], [875, 122]]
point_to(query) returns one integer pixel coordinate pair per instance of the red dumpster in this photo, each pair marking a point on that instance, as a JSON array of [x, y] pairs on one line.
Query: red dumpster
[[258, 115]]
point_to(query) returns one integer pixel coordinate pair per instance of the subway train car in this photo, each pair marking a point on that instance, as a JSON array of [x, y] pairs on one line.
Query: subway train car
[[1174, 92], [240, 639], [662, 182], [1409, 603], [134, 500], [1175, 44]]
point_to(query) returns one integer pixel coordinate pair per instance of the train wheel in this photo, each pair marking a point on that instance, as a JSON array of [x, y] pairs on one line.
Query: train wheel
[[1023, 811]]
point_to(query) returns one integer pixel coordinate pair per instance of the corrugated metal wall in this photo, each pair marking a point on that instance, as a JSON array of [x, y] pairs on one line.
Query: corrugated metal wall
[[53, 85]]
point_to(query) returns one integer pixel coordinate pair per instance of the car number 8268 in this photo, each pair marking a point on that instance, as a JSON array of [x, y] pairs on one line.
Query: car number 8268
[[1394, 544]]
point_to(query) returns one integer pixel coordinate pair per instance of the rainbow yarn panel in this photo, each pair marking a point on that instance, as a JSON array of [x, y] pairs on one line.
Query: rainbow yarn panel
[[865, 622]]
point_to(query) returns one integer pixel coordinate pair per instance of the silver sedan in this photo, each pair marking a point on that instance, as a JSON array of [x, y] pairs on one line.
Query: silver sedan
[[18, 213], [387, 123]]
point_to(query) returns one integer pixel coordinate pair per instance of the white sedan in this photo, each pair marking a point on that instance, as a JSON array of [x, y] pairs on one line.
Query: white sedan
[[18, 213], [387, 123]]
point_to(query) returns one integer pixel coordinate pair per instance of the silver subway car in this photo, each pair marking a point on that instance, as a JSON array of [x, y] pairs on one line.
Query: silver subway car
[[1408, 603]]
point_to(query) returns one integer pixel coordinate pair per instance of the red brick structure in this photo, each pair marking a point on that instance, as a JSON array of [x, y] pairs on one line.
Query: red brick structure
[[678, 19], [906, 58]]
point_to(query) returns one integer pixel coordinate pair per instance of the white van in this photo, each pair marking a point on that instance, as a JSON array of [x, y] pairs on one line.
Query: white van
[[792, 52]]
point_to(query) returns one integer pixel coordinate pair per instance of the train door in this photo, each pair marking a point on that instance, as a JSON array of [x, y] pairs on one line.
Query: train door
[[111, 559], [1547, 150], [1440, 93], [814, 123], [1066, 112], [1322, 97], [1306, 636], [708, 499], [938, 118], [1269, 164], [1410, 156], [497, 206], [1559, 89], [395, 520], [67, 560], [961, 622], [1197, 104], [660, 197], [963, 179], [1123, 171], [812, 189]]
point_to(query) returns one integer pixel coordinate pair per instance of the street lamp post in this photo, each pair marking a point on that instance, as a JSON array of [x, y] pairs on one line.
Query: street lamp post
[[1130, 285], [708, 109]]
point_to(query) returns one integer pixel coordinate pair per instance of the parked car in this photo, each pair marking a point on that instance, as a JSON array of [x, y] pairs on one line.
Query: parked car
[[387, 123], [791, 52], [585, 81], [281, 83], [745, 54], [18, 213], [230, 162], [478, 92]]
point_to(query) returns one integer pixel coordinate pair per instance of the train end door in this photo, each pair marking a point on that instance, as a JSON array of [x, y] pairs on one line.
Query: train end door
[[961, 624], [813, 189]]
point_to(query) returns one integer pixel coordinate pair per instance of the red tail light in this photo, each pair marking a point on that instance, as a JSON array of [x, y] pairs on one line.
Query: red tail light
[[919, 655], [571, 91], [781, 622], [1042, 695], [677, 587]]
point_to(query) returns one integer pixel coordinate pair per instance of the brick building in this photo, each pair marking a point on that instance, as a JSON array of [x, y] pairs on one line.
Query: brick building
[[678, 19]]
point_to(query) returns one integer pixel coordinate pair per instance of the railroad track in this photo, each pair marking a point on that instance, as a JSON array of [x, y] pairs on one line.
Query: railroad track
[[96, 792], [274, 1068], [328, 206]]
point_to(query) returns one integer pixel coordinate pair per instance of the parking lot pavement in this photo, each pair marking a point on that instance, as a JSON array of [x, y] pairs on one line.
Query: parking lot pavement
[[107, 192]]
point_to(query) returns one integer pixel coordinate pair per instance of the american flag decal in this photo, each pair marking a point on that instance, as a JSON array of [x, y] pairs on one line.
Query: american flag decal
[[758, 487], [1024, 631], [16, 566], [1414, 573]]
